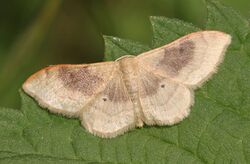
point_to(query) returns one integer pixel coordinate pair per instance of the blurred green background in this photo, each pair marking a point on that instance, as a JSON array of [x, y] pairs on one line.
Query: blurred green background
[[38, 33]]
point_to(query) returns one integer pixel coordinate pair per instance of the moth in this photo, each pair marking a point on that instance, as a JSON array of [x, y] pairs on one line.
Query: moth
[[153, 88]]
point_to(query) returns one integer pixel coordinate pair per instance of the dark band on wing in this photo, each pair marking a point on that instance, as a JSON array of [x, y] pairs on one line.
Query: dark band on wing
[[79, 79], [177, 57], [116, 92], [149, 84]]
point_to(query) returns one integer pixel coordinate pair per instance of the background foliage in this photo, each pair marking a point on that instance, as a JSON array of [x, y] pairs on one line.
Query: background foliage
[[34, 34]]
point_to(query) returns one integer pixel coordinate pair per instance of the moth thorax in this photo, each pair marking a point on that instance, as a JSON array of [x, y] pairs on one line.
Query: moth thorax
[[128, 67]]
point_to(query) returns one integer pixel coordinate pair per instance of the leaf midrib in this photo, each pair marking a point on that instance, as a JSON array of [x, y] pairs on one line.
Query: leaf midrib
[[38, 155]]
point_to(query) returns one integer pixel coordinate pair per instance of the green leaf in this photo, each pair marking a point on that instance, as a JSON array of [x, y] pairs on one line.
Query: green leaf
[[117, 47], [217, 130], [166, 30], [228, 20]]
